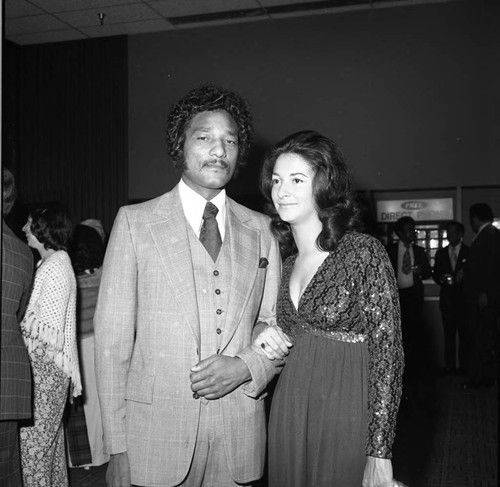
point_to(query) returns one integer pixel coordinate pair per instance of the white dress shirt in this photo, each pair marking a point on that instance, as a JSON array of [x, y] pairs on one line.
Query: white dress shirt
[[193, 205], [456, 250]]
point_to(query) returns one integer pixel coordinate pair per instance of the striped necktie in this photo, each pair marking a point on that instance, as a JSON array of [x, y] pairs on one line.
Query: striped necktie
[[407, 260], [453, 258]]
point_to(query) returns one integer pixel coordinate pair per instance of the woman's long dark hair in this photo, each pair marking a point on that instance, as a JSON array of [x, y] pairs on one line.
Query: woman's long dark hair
[[333, 190]]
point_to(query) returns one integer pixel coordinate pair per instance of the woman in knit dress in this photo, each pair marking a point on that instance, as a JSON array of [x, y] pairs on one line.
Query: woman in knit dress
[[49, 332], [333, 412]]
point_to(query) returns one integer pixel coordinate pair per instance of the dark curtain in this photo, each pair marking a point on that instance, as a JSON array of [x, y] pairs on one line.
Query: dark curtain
[[65, 131]]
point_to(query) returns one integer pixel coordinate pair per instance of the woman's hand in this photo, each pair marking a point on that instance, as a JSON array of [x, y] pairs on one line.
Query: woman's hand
[[273, 343], [378, 473]]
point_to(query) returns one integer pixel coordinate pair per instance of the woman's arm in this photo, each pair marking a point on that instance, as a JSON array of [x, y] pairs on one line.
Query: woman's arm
[[381, 310]]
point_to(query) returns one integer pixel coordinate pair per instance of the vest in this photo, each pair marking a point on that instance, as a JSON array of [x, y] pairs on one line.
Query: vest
[[212, 281]]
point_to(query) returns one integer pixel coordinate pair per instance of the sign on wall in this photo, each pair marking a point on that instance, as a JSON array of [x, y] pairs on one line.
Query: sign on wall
[[419, 209]]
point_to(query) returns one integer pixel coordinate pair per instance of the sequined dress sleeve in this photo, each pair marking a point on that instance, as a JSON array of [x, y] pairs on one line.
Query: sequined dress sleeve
[[379, 301]]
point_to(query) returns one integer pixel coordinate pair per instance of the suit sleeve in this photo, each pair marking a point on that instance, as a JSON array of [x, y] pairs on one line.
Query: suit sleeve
[[490, 282], [23, 303], [439, 270], [423, 262], [261, 368], [114, 324]]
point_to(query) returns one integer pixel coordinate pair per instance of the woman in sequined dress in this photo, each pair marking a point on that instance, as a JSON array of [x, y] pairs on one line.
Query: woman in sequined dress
[[333, 413]]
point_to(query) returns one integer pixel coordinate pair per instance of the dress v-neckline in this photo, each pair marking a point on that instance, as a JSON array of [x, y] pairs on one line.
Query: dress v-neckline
[[297, 307]]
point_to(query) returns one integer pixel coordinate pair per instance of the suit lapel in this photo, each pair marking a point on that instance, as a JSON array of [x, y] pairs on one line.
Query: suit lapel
[[169, 233], [461, 258], [245, 254]]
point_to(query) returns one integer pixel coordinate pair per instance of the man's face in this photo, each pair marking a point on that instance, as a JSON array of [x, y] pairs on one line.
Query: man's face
[[407, 233], [210, 152], [454, 235], [475, 223]]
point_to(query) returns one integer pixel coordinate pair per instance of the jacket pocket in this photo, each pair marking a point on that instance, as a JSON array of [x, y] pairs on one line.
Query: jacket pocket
[[140, 388]]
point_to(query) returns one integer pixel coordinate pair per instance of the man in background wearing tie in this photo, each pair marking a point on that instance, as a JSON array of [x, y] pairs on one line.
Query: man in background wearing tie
[[482, 288], [188, 278], [411, 266], [448, 273]]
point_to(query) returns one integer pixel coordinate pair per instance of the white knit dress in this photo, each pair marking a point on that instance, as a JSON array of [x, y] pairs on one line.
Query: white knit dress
[[49, 332]]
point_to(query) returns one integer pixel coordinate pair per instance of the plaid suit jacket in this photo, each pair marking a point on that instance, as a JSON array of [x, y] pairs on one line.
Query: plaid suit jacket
[[15, 378], [147, 333]]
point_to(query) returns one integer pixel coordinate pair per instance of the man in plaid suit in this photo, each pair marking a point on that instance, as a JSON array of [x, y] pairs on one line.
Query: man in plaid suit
[[188, 279], [15, 373]]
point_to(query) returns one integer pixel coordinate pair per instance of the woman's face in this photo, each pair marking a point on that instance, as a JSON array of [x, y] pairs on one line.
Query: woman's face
[[292, 189], [33, 242]]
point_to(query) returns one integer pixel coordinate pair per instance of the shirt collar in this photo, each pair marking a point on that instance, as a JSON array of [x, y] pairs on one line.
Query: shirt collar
[[193, 205], [482, 227]]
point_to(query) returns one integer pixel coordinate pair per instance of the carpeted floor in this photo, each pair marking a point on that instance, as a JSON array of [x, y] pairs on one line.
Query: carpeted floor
[[467, 436], [450, 439]]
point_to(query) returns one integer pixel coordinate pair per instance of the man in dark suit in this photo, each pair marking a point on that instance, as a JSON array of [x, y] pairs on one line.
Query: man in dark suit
[[411, 266], [448, 273], [482, 288], [15, 373]]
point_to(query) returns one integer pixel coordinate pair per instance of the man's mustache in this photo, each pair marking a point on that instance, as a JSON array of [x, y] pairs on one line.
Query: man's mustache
[[216, 163]]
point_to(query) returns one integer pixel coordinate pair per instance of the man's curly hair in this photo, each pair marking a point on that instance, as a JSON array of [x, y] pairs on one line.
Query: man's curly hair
[[207, 98]]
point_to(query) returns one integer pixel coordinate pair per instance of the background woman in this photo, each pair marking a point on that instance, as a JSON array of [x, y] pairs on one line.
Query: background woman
[[87, 255], [48, 329], [334, 409]]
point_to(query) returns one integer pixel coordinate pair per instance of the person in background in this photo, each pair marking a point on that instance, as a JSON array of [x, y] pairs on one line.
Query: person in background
[[411, 266], [482, 288], [448, 274], [97, 226], [333, 413], [188, 278], [87, 254], [49, 331], [15, 373]]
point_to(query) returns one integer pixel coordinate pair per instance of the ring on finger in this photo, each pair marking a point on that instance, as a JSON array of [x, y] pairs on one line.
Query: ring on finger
[[263, 345]]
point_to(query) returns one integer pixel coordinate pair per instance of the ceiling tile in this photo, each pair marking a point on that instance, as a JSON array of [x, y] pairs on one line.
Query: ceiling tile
[[128, 29], [53, 6], [274, 3], [33, 23], [46, 37], [113, 15], [215, 22], [318, 11], [20, 8], [176, 8]]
